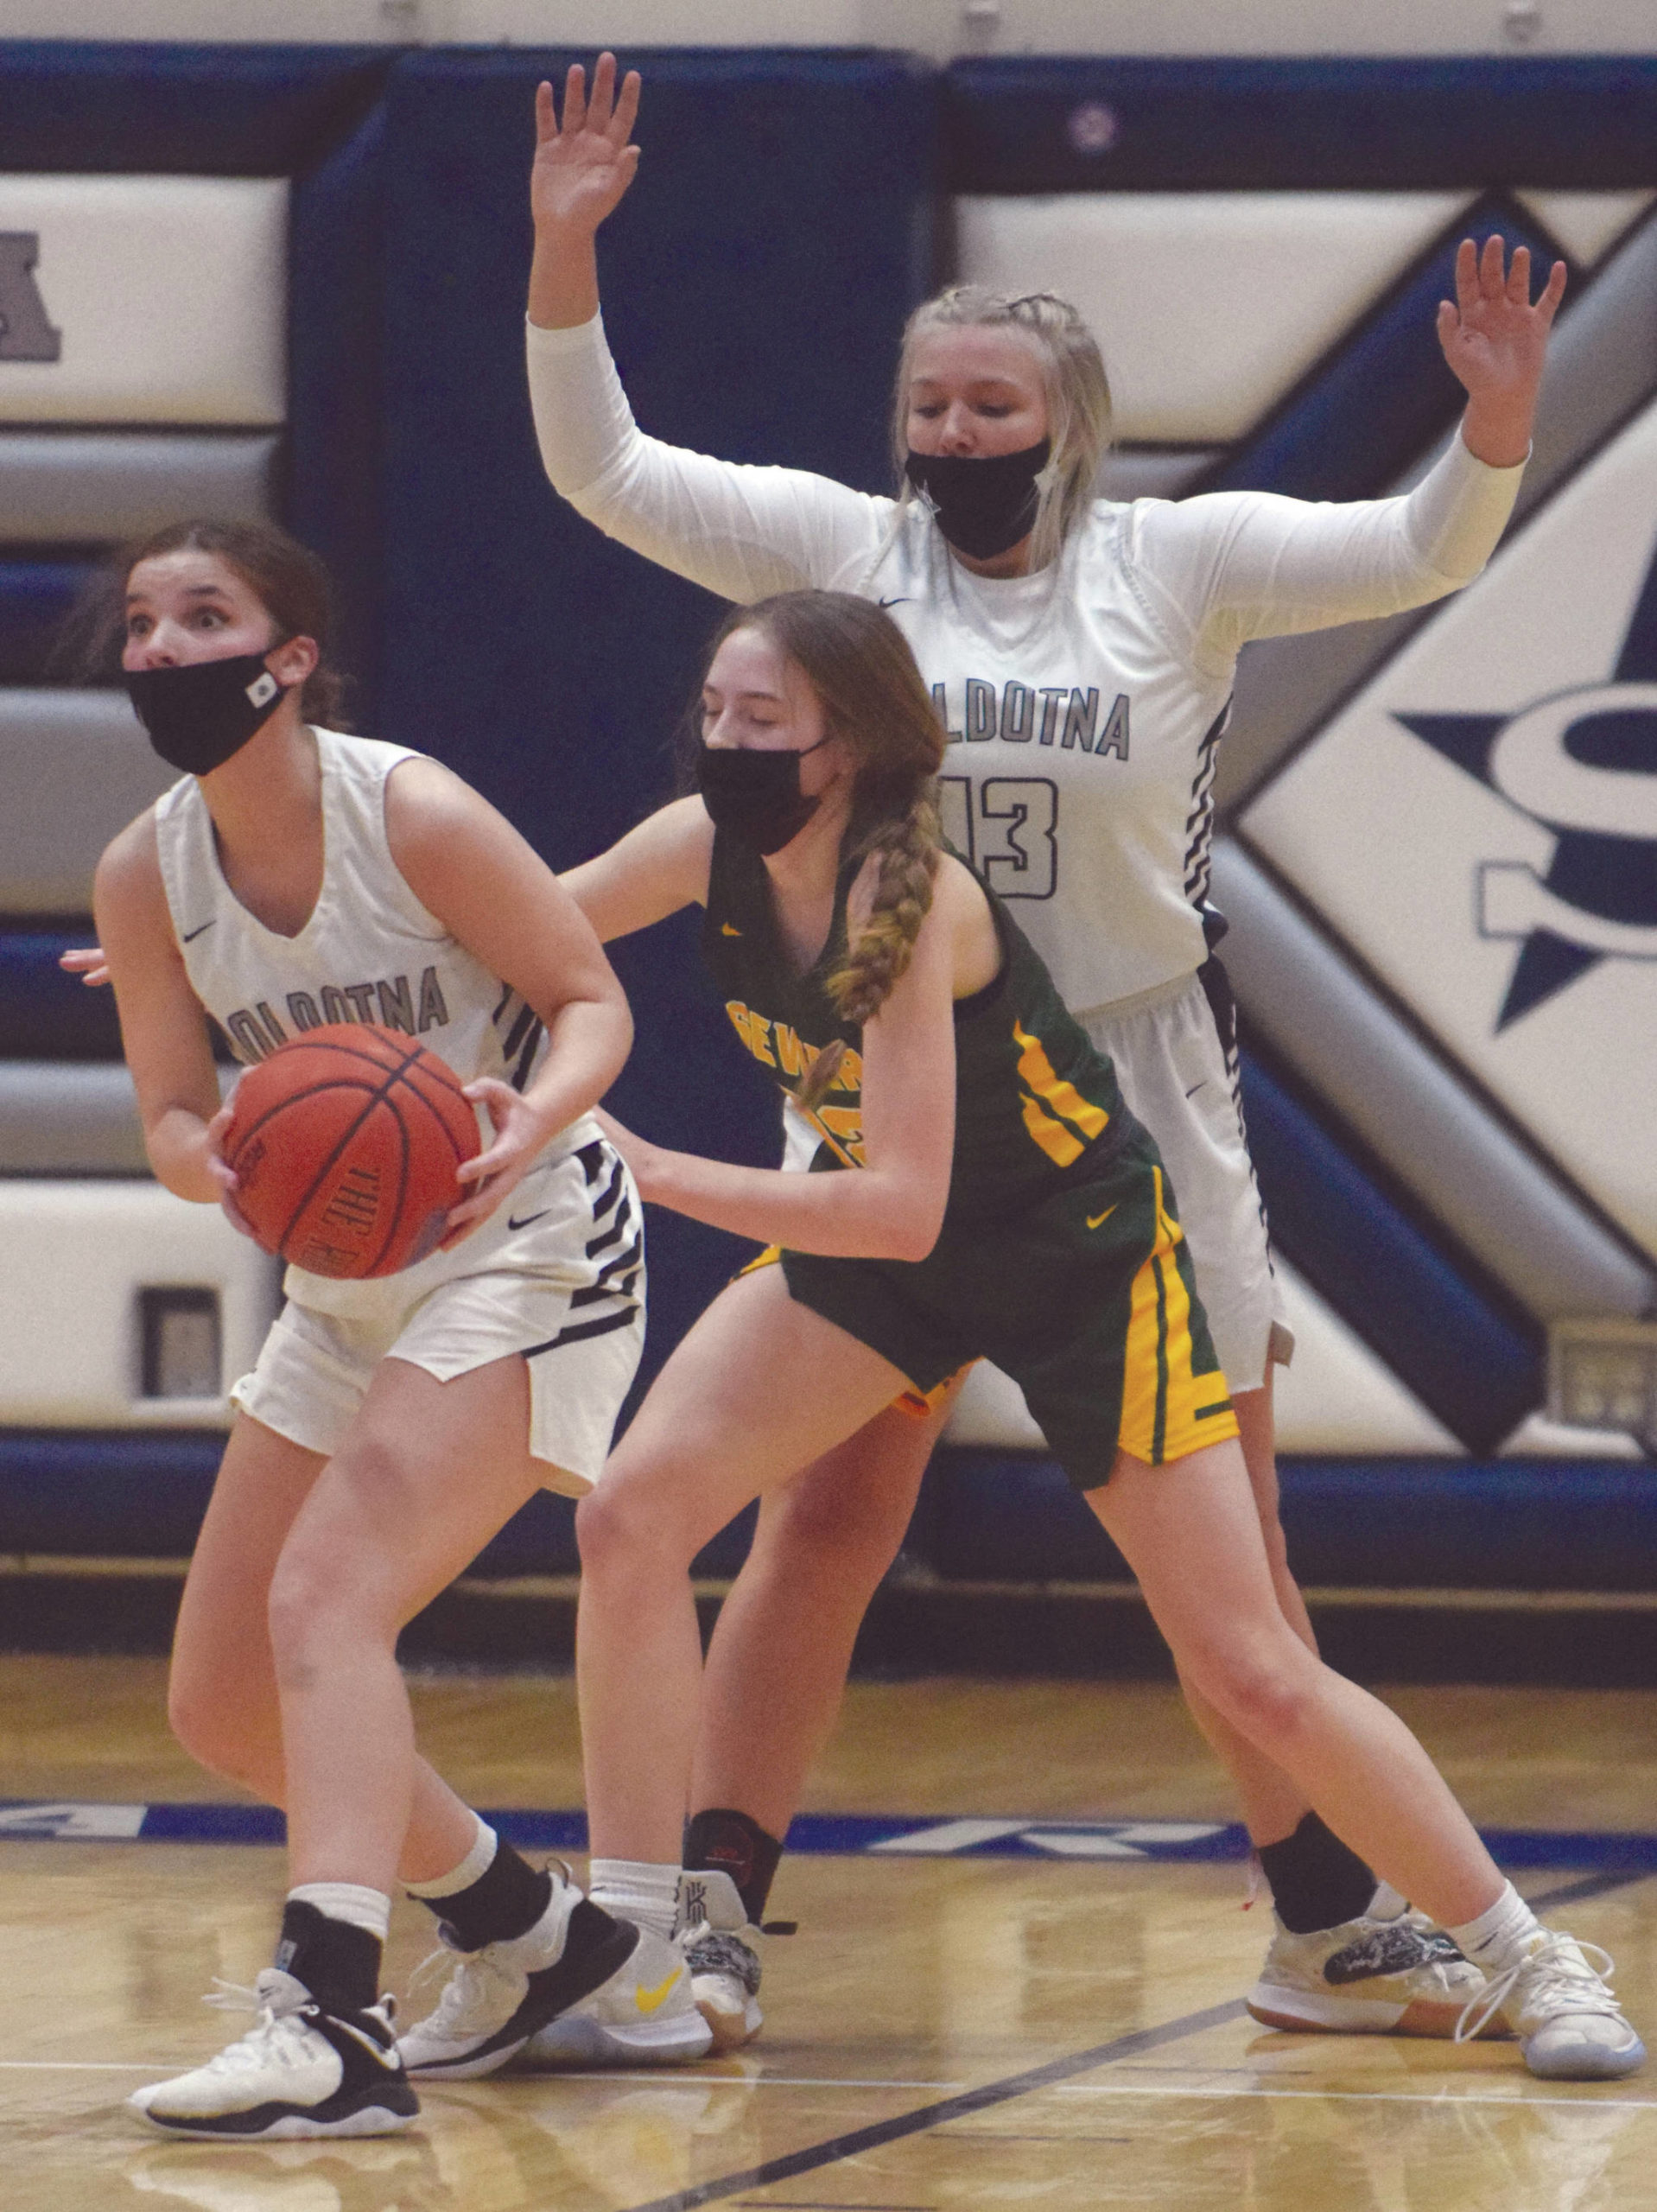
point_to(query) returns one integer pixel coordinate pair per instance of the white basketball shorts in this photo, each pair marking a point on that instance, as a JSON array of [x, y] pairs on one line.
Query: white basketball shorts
[[558, 1276], [1176, 1058]]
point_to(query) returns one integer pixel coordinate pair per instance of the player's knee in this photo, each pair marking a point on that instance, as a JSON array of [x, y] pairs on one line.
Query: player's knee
[[213, 1728], [318, 1592], [622, 1532], [1264, 1687], [848, 1536], [194, 1719]]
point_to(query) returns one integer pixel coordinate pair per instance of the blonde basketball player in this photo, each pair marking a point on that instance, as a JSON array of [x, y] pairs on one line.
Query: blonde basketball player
[[1082, 654]]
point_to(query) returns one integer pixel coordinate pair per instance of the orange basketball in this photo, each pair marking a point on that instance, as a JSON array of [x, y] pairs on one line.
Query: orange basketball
[[345, 1144]]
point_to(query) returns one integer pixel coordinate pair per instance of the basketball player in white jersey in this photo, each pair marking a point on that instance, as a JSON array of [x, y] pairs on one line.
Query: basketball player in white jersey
[[296, 876], [1081, 654]]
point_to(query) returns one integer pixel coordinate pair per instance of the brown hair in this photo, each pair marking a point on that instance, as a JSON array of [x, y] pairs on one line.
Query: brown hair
[[1073, 378], [286, 578], [858, 662]]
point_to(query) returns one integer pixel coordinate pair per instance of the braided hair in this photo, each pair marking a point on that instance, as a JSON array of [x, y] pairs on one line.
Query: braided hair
[[858, 663]]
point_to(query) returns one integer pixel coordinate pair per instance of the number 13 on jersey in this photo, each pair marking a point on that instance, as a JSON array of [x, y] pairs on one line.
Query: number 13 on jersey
[[1007, 828]]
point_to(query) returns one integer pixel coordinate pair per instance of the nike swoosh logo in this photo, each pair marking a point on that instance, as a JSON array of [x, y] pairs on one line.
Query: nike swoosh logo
[[903, 601], [1094, 1219], [388, 2059], [193, 934], [528, 1218], [651, 2000], [1195, 1087], [727, 930]]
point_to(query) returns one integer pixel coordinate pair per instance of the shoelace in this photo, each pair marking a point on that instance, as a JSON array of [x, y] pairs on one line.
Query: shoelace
[[279, 2031], [469, 1992], [1559, 1965]]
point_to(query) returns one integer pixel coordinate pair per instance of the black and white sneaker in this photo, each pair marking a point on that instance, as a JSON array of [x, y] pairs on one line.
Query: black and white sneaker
[[578, 1987], [298, 2071], [722, 1948]]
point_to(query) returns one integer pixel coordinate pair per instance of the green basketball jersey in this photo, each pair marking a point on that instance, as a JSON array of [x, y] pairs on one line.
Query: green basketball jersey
[[1037, 1105]]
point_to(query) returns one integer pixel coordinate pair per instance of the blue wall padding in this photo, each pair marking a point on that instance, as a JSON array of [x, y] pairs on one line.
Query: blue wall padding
[[137, 1494], [1098, 125], [180, 110], [756, 280], [1384, 396], [1472, 1359], [313, 114], [36, 598], [45, 1014], [1524, 1524], [331, 478], [1531, 1524]]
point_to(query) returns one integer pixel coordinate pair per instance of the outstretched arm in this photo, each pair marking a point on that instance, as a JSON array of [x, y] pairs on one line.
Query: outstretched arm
[[740, 531], [1236, 565]]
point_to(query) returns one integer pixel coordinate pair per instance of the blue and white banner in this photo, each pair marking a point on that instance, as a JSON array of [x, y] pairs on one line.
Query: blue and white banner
[[1480, 824], [143, 299]]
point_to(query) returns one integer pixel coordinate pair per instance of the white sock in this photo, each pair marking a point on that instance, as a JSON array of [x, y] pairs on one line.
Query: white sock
[[1387, 1904], [636, 1890], [472, 1868], [1497, 1937], [369, 1909]]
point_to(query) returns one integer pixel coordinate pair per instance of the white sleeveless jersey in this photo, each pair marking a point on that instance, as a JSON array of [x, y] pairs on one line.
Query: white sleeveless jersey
[[1083, 705], [368, 952]]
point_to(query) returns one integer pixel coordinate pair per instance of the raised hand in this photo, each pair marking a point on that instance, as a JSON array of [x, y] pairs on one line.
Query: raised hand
[[582, 170], [1495, 341]]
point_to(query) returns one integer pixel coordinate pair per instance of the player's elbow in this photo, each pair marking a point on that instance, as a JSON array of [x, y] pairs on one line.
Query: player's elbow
[[915, 1229]]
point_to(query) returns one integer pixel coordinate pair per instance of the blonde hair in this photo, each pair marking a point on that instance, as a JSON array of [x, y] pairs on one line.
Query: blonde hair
[[858, 663], [1077, 389]]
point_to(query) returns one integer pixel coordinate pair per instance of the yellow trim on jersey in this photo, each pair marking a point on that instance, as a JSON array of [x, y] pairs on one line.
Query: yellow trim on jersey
[[1037, 1073], [1167, 1412]]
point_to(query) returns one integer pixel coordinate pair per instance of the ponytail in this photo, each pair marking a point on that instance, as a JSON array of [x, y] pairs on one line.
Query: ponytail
[[908, 845]]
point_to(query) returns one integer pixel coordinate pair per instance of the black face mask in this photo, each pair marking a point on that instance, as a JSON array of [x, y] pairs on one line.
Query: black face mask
[[983, 507], [755, 796], [198, 716]]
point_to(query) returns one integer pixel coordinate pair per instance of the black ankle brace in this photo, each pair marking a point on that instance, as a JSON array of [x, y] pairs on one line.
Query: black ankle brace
[[731, 1843], [1317, 1882], [338, 1962], [506, 1900]]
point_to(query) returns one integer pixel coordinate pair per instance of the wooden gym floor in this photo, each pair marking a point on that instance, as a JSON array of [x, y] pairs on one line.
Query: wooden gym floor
[[957, 2033]]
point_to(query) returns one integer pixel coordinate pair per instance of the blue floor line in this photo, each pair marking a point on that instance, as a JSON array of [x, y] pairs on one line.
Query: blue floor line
[[835, 1835]]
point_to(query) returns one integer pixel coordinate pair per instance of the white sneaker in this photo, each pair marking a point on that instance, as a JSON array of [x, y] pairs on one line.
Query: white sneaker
[[722, 1948], [499, 1998], [1369, 1976], [298, 2071], [643, 2014], [1557, 2001]]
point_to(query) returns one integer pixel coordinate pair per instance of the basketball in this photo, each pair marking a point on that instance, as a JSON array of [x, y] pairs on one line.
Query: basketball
[[345, 1144]]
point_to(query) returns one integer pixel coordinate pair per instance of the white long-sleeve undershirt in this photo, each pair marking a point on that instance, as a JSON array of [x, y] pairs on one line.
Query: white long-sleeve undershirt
[[1150, 608]]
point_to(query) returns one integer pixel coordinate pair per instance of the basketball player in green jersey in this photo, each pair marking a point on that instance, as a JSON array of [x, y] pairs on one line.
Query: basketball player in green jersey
[[978, 1188]]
